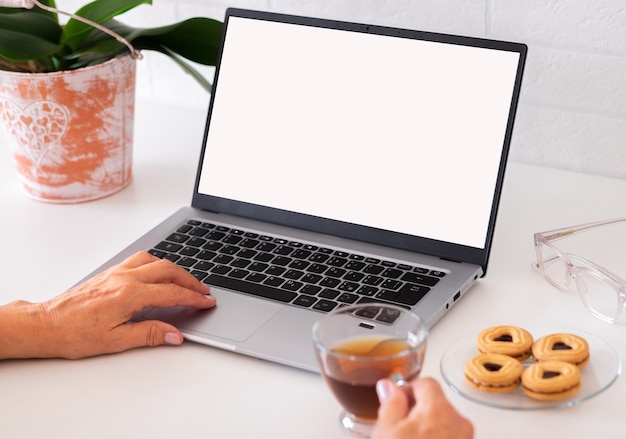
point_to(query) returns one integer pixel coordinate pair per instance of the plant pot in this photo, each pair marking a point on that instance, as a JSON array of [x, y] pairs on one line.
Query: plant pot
[[71, 132]]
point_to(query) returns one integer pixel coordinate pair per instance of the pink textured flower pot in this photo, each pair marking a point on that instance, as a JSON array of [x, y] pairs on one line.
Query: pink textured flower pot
[[71, 132]]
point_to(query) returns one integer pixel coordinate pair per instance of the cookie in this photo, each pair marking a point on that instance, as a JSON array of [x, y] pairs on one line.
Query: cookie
[[493, 373], [505, 340], [550, 380], [562, 347]]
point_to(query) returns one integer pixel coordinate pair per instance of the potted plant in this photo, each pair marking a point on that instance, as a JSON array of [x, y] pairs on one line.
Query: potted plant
[[67, 91]]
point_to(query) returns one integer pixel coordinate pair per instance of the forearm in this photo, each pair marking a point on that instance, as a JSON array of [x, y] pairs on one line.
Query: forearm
[[22, 332]]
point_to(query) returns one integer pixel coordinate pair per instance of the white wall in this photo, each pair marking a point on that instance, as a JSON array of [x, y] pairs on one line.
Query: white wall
[[573, 105]]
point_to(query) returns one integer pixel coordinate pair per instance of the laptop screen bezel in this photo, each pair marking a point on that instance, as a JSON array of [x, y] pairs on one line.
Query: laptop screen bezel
[[445, 250]]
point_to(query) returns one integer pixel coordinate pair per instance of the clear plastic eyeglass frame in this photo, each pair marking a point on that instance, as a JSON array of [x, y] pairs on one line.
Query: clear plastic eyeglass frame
[[601, 291]]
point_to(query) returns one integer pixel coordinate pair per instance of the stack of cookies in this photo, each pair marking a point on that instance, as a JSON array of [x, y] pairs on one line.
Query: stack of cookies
[[554, 373]]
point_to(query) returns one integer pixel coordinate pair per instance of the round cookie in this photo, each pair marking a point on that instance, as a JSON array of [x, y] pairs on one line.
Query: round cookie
[[493, 373], [562, 347], [505, 340], [550, 380]]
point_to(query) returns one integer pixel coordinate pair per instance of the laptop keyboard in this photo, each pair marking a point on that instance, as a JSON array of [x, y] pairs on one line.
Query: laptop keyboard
[[292, 272]]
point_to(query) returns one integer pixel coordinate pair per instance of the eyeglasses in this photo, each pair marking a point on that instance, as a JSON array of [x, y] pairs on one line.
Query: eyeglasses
[[601, 291]]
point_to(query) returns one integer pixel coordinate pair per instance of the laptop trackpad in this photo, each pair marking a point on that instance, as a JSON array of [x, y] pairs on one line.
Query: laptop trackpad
[[235, 317]]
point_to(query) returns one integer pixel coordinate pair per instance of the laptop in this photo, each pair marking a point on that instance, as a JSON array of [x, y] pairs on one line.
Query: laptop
[[341, 163]]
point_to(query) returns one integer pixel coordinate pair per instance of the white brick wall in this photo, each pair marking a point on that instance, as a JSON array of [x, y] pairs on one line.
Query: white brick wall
[[573, 102]]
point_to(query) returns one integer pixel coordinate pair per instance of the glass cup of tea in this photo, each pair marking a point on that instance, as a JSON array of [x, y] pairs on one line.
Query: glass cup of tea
[[358, 345]]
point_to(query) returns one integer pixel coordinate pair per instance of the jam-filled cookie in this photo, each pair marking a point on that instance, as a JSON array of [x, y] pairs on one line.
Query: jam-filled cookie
[[493, 373], [562, 347], [506, 340], [550, 380]]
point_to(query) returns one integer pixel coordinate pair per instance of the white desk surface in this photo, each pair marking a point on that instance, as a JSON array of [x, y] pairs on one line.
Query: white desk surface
[[195, 391]]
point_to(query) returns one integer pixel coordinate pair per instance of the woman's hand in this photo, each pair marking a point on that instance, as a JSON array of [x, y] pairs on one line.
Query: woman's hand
[[431, 417], [93, 318]]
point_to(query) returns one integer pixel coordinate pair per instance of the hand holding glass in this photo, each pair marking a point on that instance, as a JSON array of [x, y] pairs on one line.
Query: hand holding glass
[[358, 345]]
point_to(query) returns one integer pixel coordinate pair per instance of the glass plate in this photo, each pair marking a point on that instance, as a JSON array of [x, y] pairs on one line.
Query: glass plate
[[602, 370]]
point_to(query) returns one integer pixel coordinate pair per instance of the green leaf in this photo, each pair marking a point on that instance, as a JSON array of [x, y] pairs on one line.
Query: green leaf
[[196, 39], [99, 11], [38, 25], [20, 46]]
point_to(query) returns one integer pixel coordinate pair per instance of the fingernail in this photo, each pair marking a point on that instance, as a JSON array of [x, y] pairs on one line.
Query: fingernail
[[172, 338], [383, 388]]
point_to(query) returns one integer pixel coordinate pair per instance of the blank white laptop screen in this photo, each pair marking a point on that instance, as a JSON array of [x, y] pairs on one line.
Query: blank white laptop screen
[[367, 129]]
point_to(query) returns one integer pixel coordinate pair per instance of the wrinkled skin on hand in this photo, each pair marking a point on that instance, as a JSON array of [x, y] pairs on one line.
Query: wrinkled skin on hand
[[93, 317]]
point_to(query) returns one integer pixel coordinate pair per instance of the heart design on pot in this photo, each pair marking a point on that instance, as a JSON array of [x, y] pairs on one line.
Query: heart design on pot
[[37, 129]]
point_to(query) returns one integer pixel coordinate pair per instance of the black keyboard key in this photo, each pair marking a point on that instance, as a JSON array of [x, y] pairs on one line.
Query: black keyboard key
[[266, 247], [258, 266], [189, 251], [198, 231], [336, 261], [330, 282], [186, 262], [391, 284], [204, 266], [249, 243], [353, 276], [335, 272], [410, 294], [246, 253], [232, 239], [241, 263], [168, 246], [348, 286], [325, 305], [392, 273], [213, 246], [206, 255], [293, 274], [301, 254], [305, 300], [177, 237], [199, 274], [196, 242], [292, 285], [220, 269], [372, 280], [328, 293], [283, 250], [171, 257], [318, 257], [275, 270], [184, 228], [214, 235], [229, 249], [157, 253], [256, 277], [238, 273], [347, 298], [311, 289], [420, 279], [367, 290], [373, 269], [281, 260], [316, 268], [355, 266], [274, 281], [299, 264], [263, 257], [223, 259], [251, 288], [311, 278]]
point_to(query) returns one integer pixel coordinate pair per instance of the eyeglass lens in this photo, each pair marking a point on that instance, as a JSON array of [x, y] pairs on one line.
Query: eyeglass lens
[[601, 298]]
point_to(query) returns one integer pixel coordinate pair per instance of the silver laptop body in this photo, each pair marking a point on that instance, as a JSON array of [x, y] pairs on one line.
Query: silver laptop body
[[363, 142]]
